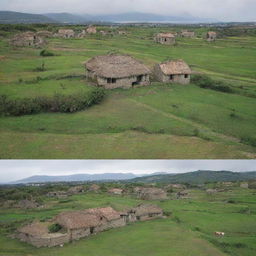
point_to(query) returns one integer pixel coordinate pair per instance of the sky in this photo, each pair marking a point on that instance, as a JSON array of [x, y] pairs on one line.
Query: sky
[[223, 10], [12, 170]]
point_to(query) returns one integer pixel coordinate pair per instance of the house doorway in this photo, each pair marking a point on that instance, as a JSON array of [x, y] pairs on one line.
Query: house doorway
[[138, 80]]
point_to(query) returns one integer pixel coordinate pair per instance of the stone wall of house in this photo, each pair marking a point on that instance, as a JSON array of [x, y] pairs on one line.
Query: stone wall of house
[[161, 77], [76, 234], [165, 40], [109, 225], [44, 241]]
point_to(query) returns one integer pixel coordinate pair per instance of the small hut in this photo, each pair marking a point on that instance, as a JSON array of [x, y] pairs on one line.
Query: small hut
[[91, 30], [115, 191], [211, 36], [27, 39], [66, 33], [75, 190], [185, 33], [117, 71], [174, 71], [152, 194], [165, 38]]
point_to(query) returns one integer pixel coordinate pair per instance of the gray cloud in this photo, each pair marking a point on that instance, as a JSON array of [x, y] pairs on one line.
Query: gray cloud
[[11, 170], [226, 10]]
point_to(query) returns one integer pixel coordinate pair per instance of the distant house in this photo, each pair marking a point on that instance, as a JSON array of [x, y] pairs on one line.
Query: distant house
[[152, 194], [44, 33], [244, 185], [115, 191], [117, 71], [211, 36], [94, 187], [174, 71], [75, 190], [182, 194], [185, 33], [66, 33], [91, 30], [57, 194], [165, 38], [27, 204], [27, 39], [144, 212]]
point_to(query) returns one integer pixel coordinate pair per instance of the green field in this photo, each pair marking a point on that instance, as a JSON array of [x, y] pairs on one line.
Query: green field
[[187, 231], [158, 121]]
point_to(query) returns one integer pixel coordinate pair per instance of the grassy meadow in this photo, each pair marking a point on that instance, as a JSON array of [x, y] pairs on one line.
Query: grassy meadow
[[157, 121], [188, 230]]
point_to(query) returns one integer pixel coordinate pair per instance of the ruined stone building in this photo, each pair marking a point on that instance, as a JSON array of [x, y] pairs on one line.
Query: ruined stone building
[[75, 190], [117, 71], [152, 194], [165, 38], [185, 33], [211, 36], [115, 191], [65, 33], [174, 71], [27, 39]]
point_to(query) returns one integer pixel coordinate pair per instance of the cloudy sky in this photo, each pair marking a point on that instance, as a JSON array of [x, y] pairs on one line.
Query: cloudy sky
[[12, 170], [224, 10]]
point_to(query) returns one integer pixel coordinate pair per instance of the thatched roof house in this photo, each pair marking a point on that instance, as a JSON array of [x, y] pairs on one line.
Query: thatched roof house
[[144, 212], [27, 204], [75, 190], [27, 39], [174, 71], [152, 194], [58, 194], [165, 38], [185, 33], [211, 36], [44, 33], [66, 33], [94, 187], [115, 191], [117, 71], [91, 30]]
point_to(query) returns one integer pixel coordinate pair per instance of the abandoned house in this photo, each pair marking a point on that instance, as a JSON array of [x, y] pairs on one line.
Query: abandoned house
[[144, 212], [115, 191], [27, 39], [66, 33], [211, 36], [91, 30], [117, 71], [174, 71], [165, 38], [152, 194], [185, 33], [73, 225], [75, 190]]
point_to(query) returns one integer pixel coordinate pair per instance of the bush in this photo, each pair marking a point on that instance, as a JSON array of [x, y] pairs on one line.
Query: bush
[[46, 53], [206, 82], [249, 141], [54, 228], [56, 103]]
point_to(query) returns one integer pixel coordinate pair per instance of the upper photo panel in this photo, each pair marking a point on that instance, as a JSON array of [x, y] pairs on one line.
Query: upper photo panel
[[127, 79]]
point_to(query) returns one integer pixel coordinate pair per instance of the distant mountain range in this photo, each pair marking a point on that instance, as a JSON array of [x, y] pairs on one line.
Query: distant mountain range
[[8, 17], [197, 177]]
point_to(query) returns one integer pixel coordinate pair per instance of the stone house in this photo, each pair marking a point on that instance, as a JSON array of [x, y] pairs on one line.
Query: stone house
[[185, 33], [44, 33], [38, 235], [57, 194], [27, 204], [91, 30], [117, 71], [182, 194], [144, 212], [174, 71], [176, 186], [27, 39], [94, 187], [75, 190], [115, 191], [66, 33], [211, 36], [152, 194], [244, 185], [165, 38]]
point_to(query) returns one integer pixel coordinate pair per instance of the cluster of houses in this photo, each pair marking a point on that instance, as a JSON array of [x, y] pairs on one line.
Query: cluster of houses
[[123, 71], [73, 225]]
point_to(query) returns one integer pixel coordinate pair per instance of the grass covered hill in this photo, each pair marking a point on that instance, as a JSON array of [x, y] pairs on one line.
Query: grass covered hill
[[198, 177]]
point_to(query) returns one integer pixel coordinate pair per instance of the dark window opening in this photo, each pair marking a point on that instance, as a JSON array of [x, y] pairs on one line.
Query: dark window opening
[[137, 217], [171, 77], [91, 230], [186, 75], [111, 80], [165, 39], [138, 80]]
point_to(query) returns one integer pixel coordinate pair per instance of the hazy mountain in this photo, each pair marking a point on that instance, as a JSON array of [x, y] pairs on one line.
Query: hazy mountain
[[7, 17], [77, 177], [198, 177], [68, 18]]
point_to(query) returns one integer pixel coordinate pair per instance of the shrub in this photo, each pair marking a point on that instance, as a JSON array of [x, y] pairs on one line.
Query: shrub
[[249, 141], [206, 82], [54, 228], [46, 53], [56, 103]]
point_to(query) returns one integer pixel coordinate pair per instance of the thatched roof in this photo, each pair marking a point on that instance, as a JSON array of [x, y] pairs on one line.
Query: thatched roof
[[116, 66], [77, 219], [27, 204], [35, 229], [211, 33], [76, 189], [108, 213], [66, 31], [145, 209], [175, 67], [170, 35], [154, 191], [116, 190], [94, 187]]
